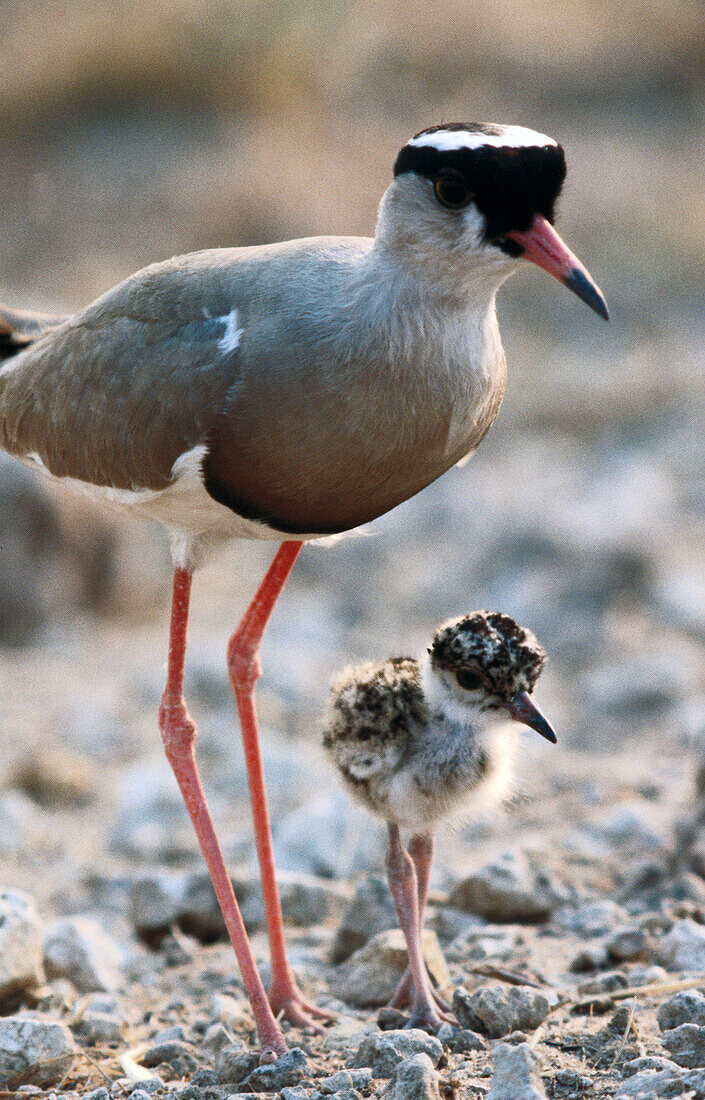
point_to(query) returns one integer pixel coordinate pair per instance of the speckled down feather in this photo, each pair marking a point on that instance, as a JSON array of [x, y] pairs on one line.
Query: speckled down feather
[[372, 711], [507, 655]]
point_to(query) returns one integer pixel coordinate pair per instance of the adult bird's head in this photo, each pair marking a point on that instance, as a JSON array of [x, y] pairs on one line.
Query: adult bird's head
[[475, 198]]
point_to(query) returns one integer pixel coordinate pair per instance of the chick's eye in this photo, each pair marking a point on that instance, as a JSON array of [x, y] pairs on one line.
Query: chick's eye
[[451, 192], [469, 681]]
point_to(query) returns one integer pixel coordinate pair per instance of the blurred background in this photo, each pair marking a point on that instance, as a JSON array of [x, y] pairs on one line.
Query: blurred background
[[136, 130]]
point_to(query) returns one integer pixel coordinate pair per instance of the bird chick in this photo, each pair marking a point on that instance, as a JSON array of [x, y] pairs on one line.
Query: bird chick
[[417, 742]]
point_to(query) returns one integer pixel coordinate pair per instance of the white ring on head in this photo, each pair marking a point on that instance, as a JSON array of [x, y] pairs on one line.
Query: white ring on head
[[509, 137]]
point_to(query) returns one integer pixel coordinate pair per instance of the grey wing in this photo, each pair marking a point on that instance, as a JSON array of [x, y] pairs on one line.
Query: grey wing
[[116, 394]]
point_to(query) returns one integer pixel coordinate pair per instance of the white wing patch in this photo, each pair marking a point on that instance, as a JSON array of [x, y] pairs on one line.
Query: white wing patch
[[512, 137], [230, 340]]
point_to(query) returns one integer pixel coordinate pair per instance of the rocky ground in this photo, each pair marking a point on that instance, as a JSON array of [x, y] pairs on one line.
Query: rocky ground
[[568, 927]]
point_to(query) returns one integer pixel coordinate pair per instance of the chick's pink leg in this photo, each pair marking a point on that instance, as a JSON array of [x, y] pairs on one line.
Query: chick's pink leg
[[403, 884], [245, 670], [179, 736], [421, 848]]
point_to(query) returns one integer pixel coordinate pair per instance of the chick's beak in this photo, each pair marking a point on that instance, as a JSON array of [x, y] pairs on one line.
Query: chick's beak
[[544, 247], [523, 709]]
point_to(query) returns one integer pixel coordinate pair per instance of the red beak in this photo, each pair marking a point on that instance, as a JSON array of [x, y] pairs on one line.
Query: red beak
[[543, 246]]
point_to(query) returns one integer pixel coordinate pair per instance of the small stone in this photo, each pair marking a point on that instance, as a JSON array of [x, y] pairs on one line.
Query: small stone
[[384, 1051], [458, 1039], [626, 944], [233, 1065], [683, 948], [414, 1079], [496, 1011], [604, 983], [78, 949], [592, 957], [101, 1093], [25, 1042], [652, 1086], [514, 1076], [686, 1044], [570, 1084], [507, 890], [591, 919], [175, 1053], [369, 911], [155, 903], [645, 975], [686, 1007], [491, 942], [345, 1079], [20, 944], [347, 1034], [390, 1019], [648, 1062], [287, 1070], [371, 975]]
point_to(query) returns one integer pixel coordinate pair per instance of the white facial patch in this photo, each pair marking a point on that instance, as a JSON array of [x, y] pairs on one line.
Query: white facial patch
[[230, 339], [508, 137]]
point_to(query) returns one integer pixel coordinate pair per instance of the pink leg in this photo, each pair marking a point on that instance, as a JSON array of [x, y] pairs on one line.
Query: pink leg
[[245, 670], [421, 848], [404, 887], [179, 735]]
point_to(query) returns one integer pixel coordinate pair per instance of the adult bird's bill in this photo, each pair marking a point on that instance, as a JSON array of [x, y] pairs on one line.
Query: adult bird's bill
[[544, 247]]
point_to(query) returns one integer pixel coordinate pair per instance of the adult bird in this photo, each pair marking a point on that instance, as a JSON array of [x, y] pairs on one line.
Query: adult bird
[[287, 392]]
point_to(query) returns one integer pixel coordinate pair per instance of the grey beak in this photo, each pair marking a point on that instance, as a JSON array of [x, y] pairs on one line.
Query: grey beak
[[523, 709]]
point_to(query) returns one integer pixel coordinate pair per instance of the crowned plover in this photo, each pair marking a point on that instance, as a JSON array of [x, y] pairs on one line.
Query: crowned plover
[[286, 392], [417, 742]]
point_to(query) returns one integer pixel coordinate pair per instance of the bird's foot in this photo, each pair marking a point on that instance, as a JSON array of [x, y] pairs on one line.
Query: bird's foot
[[288, 1003], [404, 994], [427, 1017]]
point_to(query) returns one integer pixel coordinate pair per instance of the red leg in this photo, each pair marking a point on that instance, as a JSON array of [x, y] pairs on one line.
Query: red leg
[[179, 735], [404, 887], [421, 847], [245, 670]]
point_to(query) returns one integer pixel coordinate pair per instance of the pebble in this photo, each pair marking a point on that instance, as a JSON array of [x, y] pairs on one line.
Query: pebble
[[591, 957], [369, 911], [497, 1010], [26, 1041], [371, 974], [96, 1020], [491, 942], [233, 1065], [287, 1070], [306, 900], [79, 949], [459, 1040], [683, 948], [174, 1052], [599, 917], [384, 1051], [626, 944], [686, 1007], [648, 1062], [686, 1044], [346, 1035], [604, 983], [663, 1085], [414, 1079], [20, 944], [514, 1075], [508, 890], [346, 1079]]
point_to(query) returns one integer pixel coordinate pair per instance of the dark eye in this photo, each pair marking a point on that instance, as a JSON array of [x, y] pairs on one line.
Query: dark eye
[[451, 192], [469, 681]]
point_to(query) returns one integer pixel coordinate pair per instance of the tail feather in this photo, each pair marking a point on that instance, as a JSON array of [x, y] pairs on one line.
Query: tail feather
[[19, 328]]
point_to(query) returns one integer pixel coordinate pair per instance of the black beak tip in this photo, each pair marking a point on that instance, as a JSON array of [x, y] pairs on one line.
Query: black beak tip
[[586, 290], [549, 734]]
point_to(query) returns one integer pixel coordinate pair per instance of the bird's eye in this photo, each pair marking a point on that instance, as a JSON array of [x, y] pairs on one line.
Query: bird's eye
[[451, 192], [469, 681]]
